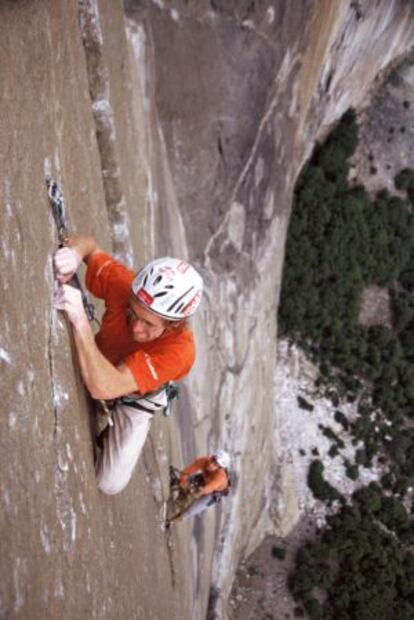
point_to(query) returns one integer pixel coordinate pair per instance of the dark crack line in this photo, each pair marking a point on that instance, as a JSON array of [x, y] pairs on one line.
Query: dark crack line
[[164, 502], [52, 382]]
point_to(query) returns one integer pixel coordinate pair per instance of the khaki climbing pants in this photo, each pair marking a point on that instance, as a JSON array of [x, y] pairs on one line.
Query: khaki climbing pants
[[122, 444], [188, 505], [198, 507]]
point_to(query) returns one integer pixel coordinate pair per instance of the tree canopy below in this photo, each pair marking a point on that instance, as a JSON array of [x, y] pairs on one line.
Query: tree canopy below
[[340, 242]]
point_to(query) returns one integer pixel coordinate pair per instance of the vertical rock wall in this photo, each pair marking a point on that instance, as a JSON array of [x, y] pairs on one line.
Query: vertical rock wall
[[66, 550]]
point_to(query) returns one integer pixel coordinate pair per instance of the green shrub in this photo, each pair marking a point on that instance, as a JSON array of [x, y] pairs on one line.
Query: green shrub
[[320, 488], [278, 552], [404, 179], [304, 404], [352, 471]]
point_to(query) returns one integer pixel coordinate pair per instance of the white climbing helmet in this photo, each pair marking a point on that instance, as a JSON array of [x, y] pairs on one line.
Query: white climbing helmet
[[223, 459], [169, 287]]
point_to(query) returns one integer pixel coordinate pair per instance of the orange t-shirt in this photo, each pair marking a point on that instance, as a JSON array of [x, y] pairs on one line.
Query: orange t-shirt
[[213, 480], [168, 358]]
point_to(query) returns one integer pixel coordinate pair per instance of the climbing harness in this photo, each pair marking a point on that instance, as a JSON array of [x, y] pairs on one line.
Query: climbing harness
[[57, 203], [152, 401]]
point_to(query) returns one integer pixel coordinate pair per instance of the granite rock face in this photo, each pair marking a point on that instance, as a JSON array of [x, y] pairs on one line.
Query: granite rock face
[[179, 128]]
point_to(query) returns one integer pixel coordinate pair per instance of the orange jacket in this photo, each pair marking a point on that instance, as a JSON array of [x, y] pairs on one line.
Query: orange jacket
[[213, 480], [168, 358]]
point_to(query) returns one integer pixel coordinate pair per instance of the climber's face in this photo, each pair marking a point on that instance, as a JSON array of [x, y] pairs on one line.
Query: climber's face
[[144, 325], [213, 465]]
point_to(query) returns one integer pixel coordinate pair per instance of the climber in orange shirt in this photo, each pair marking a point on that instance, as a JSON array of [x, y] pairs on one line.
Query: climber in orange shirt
[[199, 485], [143, 343]]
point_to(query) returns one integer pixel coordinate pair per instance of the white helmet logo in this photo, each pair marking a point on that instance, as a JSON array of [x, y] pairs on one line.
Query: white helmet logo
[[145, 297], [191, 307]]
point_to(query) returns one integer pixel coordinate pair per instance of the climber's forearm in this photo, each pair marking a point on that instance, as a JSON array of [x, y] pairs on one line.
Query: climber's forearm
[[85, 245], [102, 379]]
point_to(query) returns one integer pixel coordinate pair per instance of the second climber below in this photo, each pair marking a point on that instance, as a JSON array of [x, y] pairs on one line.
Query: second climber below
[[143, 343], [199, 485]]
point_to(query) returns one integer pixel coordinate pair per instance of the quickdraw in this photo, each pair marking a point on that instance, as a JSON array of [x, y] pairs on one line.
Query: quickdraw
[[57, 202], [173, 392]]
